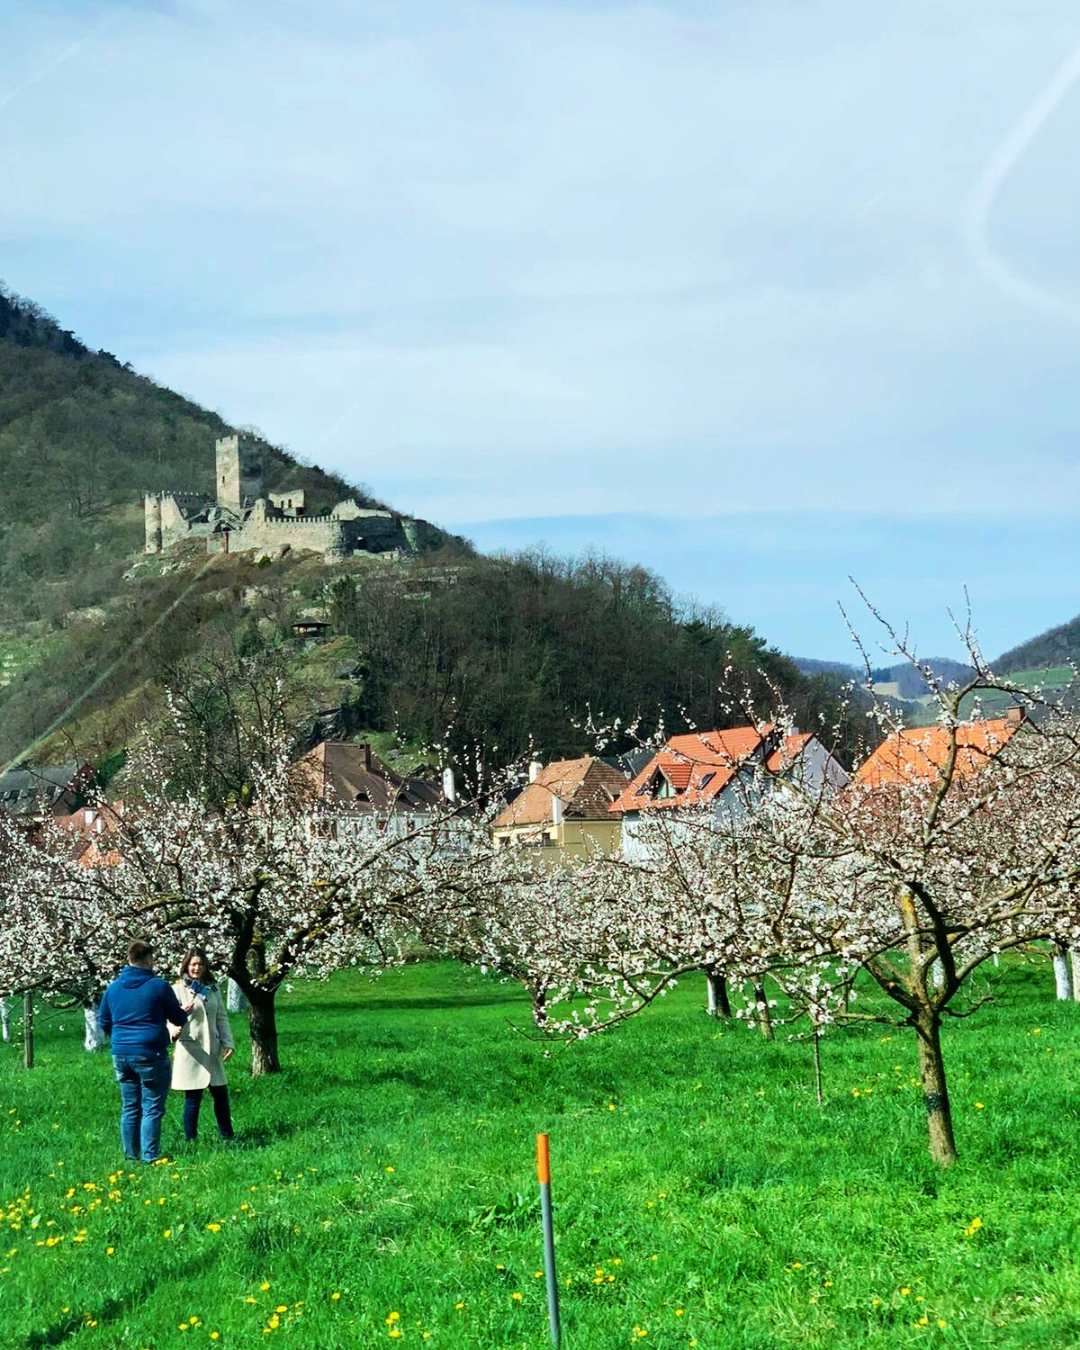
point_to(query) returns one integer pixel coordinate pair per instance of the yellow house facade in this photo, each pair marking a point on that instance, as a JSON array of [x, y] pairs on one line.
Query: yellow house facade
[[563, 811]]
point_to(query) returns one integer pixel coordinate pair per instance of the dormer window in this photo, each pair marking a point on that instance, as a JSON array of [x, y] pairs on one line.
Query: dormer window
[[706, 780]]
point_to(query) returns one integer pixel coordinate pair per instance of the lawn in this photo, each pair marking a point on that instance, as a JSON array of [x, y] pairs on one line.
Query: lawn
[[384, 1188]]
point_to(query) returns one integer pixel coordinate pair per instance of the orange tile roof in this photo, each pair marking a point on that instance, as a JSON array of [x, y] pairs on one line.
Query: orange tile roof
[[698, 766], [585, 786], [918, 754]]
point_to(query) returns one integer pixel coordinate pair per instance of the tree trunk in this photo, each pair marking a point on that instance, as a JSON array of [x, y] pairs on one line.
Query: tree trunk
[[539, 1004], [262, 1020], [5, 1020], [1062, 983], [719, 1002], [1074, 961], [92, 1037], [28, 1030], [935, 1092], [764, 1016]]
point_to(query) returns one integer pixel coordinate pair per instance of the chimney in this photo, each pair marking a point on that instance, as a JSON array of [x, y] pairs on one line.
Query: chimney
[[367, 755], [556, 809], [1015, 715], [449, 787], [534, 770]]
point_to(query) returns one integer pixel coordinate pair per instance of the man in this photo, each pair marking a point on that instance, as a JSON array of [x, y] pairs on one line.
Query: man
[[135, 1012]]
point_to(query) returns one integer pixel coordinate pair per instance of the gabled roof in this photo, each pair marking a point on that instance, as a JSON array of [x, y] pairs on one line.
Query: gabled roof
[[918, 754], [344, 774], [586, 787], [37, 789], [698, 767]]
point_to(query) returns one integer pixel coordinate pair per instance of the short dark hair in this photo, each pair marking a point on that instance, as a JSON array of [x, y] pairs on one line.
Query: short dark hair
[[208, 972], [139, 952]]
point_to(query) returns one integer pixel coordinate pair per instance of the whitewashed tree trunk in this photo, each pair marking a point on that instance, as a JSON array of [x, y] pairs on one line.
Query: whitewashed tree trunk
[[1062, 983], [1074, 962], [5, 1020], [92, 1038], [937, 975], [235, 998]]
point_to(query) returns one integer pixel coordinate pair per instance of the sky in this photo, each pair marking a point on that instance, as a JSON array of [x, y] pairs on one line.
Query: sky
[[764, 294]]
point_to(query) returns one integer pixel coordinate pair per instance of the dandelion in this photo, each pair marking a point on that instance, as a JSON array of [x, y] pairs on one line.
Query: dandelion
[[215, 1335], [167, 1233], [335, 1296], [517, 1296], [389, 1169], [979, 1106], [942, 1323], [282, 1307], [264, 1286], [923, 1321], [458, 1306], [213, 1227], [393, 1317], [679, 1312], [274, 1322], [395, 1332], [109, 1251], [904, 1291]]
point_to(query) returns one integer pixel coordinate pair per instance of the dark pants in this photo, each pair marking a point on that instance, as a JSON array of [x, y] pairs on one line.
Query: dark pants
[[144, 1089], [192, 1102]]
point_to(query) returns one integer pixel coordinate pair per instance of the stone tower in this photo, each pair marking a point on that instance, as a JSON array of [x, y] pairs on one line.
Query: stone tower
[[152, 513], [239, 472]]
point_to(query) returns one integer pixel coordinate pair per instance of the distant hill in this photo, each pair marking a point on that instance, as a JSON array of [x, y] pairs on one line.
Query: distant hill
[[903, 680], [509, 654], [1056, 647]]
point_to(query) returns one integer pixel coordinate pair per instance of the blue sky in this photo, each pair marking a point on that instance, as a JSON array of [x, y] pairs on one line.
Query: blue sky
[[762, 295]]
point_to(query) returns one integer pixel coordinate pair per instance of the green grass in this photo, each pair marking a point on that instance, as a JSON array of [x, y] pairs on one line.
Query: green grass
[[701, 1196]]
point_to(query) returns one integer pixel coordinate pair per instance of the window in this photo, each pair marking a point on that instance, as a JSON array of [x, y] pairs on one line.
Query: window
[[706, 780]]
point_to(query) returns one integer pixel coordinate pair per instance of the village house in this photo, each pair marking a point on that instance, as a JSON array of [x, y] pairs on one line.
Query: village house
[[919, 754], [721, 773], [363, 794], [34, 793], [563, 811]]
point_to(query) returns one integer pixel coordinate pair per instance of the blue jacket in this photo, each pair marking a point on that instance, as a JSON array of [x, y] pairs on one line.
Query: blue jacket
[[134, 1010]]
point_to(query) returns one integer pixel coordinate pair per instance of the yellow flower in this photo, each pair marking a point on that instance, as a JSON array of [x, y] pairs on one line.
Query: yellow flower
[[249, 1299], [282, 1307], [538, 1274], [679, 1312], [395, 1332], [923, 1321], [904, 1291], [942, 1323], [389, 1169], [214, 1227], [215, 1335], [978, 1106], [109, 1251], [264, 1286], [274, 1322], [393, 1317], [167, 1232], [334, 1296], [516, 1296]]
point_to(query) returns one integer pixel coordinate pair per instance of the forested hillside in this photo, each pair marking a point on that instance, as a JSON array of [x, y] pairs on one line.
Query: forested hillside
[[508, 654], [1057, 646], [82, 437]]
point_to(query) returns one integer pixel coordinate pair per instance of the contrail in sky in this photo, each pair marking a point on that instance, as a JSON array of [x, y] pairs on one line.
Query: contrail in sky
[[58, 60], [1001, 164]]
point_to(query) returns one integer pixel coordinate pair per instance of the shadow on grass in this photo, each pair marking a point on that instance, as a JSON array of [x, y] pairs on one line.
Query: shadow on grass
[[62, 1330], [450, 1002]]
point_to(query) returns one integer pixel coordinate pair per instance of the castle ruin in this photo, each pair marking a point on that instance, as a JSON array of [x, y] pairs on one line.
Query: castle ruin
[[241, 517]]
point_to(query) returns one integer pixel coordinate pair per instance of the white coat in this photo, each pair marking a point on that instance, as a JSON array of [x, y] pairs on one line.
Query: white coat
[[197, 1062]]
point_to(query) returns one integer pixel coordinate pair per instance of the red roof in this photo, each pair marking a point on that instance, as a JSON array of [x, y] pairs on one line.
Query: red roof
[[698, 767], [918, 754]]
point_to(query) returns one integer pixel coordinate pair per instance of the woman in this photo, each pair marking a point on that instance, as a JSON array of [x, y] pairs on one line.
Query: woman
[[203, 1045]]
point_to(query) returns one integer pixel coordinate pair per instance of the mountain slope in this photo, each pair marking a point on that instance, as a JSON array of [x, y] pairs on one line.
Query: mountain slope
[[507, 654]]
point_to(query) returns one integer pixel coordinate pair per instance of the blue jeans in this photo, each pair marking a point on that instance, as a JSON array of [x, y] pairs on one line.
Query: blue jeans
[[144, 1088]]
